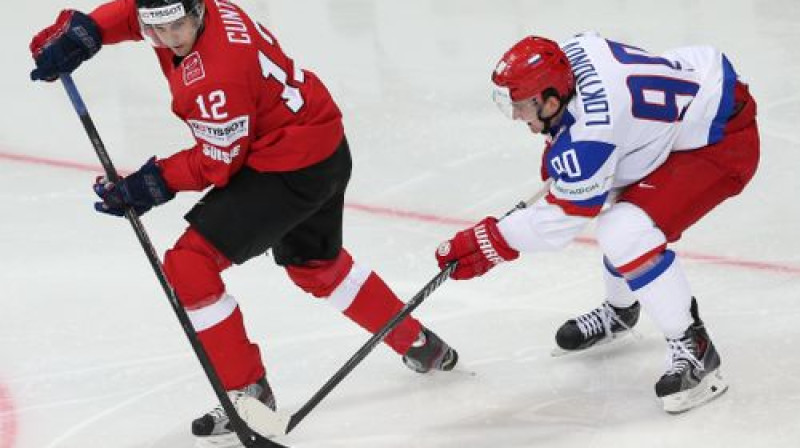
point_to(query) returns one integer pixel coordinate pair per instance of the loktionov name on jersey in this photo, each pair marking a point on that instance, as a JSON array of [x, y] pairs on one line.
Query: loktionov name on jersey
[[589, 85]]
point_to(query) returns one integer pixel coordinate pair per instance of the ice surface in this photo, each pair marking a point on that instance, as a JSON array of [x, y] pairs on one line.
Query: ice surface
[[91, 355]]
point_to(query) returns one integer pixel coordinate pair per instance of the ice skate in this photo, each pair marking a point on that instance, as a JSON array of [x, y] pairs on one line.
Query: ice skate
[[429, 352], [693, 375], [213, 429], [602, 325]]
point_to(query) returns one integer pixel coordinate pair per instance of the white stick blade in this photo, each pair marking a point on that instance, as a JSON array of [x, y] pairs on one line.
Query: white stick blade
[[260, 418]]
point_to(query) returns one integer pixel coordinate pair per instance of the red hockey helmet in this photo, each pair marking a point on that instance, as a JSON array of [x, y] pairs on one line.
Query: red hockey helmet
[[530, 67]]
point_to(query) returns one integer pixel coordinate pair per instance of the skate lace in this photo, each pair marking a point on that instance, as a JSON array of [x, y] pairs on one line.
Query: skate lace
[[599, 321], [680, 354], [218, 413]]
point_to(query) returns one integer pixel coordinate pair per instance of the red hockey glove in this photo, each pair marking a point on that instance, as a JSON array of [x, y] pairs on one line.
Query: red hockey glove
[[476, 250]]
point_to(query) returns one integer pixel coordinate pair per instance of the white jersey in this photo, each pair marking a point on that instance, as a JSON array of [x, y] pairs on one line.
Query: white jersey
[[629, 111]]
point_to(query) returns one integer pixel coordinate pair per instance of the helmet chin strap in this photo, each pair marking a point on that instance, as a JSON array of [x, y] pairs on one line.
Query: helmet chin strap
[[547, 121]]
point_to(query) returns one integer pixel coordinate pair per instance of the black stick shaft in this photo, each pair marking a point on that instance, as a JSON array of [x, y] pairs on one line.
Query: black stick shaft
[[412, 304], [245, 434], [376, 338]]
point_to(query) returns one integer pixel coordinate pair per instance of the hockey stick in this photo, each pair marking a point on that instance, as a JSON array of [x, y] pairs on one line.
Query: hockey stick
[[267, 421], [248, 437], [533, 199]]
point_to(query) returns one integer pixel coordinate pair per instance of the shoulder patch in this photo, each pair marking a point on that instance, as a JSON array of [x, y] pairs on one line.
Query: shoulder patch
[[193, 70]]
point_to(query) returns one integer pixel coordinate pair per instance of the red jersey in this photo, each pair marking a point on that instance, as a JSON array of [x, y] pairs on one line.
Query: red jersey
[[244, 100]]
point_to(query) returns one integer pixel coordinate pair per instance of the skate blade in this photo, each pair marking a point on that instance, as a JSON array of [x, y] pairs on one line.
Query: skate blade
[[617, 339], [712, 386], [229, 440], [262, 419]]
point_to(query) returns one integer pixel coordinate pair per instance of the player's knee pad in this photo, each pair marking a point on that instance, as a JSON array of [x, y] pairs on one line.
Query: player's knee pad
[[193, 268], [626, 233], [634, 247], [321, 277], [339, 279]]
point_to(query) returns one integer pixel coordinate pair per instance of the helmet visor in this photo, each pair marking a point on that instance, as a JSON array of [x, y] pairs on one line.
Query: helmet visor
[[502, 98], [161, 25], [525, 110]]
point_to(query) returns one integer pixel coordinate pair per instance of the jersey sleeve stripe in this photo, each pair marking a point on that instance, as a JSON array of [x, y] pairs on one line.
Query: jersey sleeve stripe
[[587, 209]]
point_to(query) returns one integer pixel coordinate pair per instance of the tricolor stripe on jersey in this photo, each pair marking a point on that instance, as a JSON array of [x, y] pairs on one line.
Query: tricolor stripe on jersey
[[729, 77]]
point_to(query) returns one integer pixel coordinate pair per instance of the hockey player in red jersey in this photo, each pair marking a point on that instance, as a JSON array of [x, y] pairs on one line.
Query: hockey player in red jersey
[[271, 146], [647, 144]]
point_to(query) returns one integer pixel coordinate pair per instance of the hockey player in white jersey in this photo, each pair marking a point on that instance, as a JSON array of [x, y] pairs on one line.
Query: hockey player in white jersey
[[645, 144]]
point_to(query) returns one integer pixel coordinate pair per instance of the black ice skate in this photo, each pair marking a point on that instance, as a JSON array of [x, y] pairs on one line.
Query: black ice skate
[[213, 429], [693, 376], [601, 325], [429, 352]]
